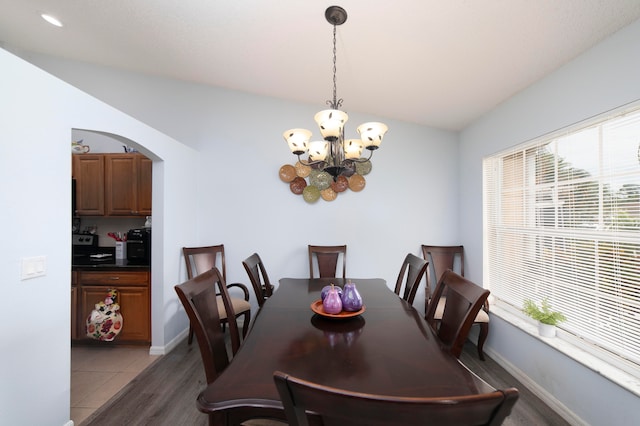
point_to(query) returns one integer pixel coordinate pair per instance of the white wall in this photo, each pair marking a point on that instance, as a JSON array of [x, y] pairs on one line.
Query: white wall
[[602, 79], [37, 114], [245, 205]]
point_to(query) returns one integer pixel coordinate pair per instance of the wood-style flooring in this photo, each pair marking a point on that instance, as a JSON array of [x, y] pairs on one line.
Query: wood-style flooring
[[165, 393]]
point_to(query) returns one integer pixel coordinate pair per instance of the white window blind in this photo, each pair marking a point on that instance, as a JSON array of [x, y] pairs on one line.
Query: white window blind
[[562, 220]]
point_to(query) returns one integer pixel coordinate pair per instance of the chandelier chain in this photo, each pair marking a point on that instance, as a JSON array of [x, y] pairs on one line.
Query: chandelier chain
[[337, 103]]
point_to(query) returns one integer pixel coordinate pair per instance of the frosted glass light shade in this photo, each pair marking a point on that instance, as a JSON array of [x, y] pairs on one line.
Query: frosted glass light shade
[[372, 133], [331, 122], [353, 148], [298, 140], [318, 150]]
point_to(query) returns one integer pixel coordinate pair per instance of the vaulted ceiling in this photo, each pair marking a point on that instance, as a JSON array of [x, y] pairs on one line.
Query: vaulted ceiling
[[438, 63]]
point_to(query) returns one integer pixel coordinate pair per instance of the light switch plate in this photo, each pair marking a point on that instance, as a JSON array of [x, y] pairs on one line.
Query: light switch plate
[[33, 267]]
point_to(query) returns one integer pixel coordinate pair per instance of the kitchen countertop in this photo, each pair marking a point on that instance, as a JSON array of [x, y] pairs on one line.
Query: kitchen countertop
[[111, 263]]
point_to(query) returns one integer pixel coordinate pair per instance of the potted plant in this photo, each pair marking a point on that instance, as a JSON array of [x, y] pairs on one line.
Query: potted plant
[[547, 319]]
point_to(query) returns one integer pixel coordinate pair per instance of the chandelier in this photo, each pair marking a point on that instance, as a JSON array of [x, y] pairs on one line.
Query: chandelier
[[334, 164]]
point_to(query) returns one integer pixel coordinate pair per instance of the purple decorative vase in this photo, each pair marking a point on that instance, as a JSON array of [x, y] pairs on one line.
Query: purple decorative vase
[[351, 299]]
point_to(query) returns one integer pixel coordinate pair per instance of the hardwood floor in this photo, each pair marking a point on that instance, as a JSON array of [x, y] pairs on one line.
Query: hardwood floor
[[529, 409], [165, 393]]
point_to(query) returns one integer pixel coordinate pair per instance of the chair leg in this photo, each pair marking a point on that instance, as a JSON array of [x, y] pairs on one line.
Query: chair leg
[[484, 332], [190, 335], [245, 325]]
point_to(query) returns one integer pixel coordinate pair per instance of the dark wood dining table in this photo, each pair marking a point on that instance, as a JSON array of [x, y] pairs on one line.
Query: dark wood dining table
[[388, 349]]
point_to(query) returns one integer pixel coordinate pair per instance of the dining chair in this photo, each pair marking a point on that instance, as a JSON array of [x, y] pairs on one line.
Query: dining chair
[[440, 259], [258, 276], [464, 300], [411, 273], [201, 259], [327, 259], [342, 407], [198, 296]]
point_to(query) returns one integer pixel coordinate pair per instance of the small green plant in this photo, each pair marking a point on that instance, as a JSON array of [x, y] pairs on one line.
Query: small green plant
[[544, 314]]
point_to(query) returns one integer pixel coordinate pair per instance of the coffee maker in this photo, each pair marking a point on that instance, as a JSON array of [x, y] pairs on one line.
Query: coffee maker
[[139, 246]]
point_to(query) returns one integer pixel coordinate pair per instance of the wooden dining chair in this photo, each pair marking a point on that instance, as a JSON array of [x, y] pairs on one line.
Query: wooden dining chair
[[258, 276], [342, 407], [411, 273], [464, 300], [202, 259], [327, 260], [440, 259], [199, 296]]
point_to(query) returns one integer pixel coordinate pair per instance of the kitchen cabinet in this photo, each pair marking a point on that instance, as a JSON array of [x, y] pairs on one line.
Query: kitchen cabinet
[[112, 184], [88, 171], [133, 297], [74, 304], [127, 185]]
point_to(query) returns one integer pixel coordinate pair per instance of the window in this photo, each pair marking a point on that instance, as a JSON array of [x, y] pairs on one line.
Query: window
[[562, 220]]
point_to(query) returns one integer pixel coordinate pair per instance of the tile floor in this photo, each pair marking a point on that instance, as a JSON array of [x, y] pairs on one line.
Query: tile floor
[[98, 373]]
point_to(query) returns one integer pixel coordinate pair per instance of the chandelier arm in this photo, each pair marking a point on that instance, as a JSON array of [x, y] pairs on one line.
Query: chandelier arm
[[334, 104], [312, 163]]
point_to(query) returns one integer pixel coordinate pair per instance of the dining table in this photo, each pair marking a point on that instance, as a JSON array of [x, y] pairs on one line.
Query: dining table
[[387, 349]]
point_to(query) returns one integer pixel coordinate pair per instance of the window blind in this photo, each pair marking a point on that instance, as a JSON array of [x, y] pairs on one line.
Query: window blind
[[562, 221]]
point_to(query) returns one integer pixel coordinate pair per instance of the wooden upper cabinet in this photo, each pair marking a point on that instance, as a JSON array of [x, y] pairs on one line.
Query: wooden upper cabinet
[[88, 171], [127, 185], [145, 171]]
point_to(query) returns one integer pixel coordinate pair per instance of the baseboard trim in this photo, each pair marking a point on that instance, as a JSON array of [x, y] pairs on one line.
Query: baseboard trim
[[536, 389], [163, 350]]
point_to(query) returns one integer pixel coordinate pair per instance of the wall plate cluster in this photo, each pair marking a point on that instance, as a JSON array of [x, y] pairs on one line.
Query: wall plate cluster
[[33, 267]]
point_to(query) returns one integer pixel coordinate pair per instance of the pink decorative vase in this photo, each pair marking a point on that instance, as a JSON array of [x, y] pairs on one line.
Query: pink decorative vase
[[332, 304]]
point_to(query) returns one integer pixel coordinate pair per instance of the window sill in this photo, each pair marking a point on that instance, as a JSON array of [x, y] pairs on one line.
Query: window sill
[[563, 345]]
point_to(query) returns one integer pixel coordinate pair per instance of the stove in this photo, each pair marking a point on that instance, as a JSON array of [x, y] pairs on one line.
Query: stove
[[85, 249]]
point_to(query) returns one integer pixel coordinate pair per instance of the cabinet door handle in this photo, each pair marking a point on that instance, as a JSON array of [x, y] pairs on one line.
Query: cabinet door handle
[[114, 278]]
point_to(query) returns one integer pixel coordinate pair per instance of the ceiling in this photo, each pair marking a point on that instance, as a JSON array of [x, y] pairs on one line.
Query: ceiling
[[438, 63]]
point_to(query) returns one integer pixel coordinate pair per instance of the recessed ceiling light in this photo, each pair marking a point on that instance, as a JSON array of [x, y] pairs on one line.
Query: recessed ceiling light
[[50, 19]]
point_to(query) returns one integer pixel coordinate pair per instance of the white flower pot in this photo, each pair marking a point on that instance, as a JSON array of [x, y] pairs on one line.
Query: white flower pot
[[546, 330]]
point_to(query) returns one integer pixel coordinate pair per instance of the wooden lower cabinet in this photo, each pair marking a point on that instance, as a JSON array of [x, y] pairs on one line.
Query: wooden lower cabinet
[[74, 312], [133, 297]]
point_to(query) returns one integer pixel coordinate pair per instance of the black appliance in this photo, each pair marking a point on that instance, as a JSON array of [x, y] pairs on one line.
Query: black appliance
[[139, 246], [75, 220], [84, 243], [73, 197]]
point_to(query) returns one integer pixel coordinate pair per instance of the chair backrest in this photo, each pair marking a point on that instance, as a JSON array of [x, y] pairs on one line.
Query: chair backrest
[[411, 274], [440, 259], [342, 407], [464, 300], [200, 259], [258, 277], [327, 259], [198, 296]]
